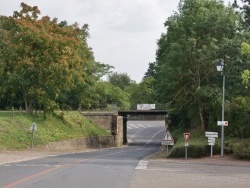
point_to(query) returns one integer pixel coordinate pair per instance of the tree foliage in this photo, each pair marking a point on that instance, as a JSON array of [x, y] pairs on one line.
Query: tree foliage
[[151, 70], [43, 61], [121, 80], [186, 75], [109, 95], [142, 93]]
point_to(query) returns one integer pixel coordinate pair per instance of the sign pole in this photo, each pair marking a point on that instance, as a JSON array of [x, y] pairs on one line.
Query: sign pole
[[186, 152], [211, 140], [33, 128], [32, 138], [186, 138], [211, 150]]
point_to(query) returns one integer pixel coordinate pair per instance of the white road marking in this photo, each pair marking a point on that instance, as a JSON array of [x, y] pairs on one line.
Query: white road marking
[[142, 165], [141, 125], [133, 126]]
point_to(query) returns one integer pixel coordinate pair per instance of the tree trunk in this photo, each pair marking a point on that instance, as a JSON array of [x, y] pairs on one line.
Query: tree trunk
[[201, 118], [28, 106]]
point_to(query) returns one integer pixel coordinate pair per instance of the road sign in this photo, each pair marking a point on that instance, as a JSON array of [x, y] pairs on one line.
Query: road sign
[[33, 127], [211, 134], [211, 139], [222, 123], [167, 139], [186, 136]]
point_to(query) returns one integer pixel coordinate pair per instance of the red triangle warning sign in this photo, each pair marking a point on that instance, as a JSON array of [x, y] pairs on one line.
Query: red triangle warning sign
[[168, 137]]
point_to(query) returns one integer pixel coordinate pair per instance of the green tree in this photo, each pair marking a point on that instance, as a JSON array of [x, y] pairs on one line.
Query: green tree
[[142, 93], [39, 57], [244, 11], [186, 75], [108, 95], [151, 70], [121, 80]]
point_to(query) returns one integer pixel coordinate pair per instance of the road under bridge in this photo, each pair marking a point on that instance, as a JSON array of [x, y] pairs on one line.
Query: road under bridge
[[116, 122], [139, 115]]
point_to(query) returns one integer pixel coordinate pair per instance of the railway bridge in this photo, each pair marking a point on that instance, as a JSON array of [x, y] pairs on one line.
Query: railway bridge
[[116, 122]]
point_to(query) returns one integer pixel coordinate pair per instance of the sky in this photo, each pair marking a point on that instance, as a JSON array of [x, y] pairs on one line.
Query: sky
[[123, 33]]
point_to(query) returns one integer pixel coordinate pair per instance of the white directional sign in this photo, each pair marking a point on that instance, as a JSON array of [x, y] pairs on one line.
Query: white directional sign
[[222, 123], [211, 139], [211, 134], [167, 139]]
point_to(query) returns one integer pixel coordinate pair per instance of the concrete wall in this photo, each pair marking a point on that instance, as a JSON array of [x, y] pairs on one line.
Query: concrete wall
[[104, 119], [110, 122], [95, 142]]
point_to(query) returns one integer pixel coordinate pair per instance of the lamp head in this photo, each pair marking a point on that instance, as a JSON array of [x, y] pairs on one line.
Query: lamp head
[[219, 65]]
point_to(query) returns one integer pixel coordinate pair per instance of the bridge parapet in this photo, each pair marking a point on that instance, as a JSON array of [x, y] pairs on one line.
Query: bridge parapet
[[146, 115]]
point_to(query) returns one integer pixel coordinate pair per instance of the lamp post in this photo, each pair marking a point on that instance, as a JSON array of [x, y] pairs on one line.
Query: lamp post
[[220, 68]]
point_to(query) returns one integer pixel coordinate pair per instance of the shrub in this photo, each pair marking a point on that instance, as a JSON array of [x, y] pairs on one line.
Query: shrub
[[241, 150], [195, 150]]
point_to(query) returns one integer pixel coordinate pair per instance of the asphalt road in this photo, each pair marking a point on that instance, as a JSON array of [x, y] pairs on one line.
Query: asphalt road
[[127, 167], [108, 168], [194, 173]]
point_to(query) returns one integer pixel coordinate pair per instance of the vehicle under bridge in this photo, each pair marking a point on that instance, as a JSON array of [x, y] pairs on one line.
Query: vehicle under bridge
[[116, 122]]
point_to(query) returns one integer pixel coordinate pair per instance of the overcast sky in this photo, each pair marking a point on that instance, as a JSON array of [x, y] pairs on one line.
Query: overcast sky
[[123, 33]]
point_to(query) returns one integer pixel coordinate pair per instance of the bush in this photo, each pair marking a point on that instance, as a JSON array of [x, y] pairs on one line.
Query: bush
[[193, 151], [241, 150]]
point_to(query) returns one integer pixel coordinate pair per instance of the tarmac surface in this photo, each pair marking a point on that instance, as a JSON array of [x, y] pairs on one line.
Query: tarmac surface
[[207, 172], [18, 156]]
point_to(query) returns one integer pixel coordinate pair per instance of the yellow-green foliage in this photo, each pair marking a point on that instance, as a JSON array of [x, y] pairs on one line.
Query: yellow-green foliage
[[15, 128]]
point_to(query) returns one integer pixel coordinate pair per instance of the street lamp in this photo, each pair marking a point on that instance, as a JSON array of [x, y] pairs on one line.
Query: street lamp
[[220, 68]]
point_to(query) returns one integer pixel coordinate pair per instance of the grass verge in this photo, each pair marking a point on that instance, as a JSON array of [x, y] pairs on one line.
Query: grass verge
[[15, 129]]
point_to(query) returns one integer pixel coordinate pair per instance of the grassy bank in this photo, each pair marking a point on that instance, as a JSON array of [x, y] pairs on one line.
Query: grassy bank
[[15, 128]]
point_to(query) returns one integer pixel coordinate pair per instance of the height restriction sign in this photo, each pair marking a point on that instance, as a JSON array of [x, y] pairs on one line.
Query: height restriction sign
[[186, 136]]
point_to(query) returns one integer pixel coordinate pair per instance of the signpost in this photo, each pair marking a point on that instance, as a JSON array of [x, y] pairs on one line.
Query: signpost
[[186, 138], [211, 139], [33, 128], [222, 124], [167, 140]]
